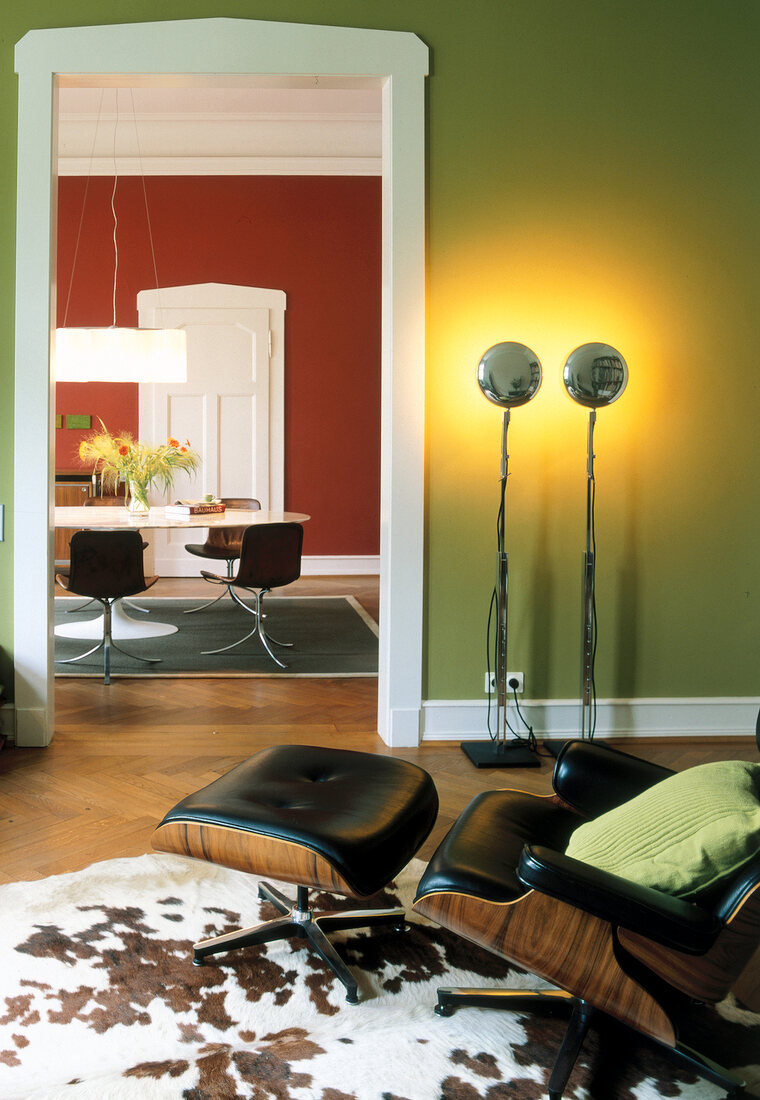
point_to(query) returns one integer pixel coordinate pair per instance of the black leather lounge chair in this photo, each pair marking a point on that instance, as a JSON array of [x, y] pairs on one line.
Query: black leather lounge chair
[[502, 878]]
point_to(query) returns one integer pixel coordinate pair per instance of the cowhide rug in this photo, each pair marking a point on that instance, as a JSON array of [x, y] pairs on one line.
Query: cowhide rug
[[100, 1001]]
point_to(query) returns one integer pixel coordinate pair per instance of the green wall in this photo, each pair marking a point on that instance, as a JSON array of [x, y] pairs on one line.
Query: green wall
[[592, 175]]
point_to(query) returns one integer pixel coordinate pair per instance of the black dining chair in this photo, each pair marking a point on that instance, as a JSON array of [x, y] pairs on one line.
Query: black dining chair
[[270, 557], [104, 502], [106, 565], [222, 544]]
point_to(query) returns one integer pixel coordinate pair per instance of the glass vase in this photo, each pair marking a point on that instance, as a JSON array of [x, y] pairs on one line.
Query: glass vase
[[137, 498]]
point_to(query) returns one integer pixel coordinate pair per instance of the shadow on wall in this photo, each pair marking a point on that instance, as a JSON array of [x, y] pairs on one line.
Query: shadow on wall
[[626, 640], [542, 589]]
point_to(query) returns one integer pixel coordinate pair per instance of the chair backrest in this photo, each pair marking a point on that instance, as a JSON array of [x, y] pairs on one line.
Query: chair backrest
[[106, 563], [270, 555], [230, 538]]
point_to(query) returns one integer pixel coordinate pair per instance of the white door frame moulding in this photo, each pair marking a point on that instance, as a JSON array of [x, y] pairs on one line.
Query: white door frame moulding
[[466, 719], [207, 51]]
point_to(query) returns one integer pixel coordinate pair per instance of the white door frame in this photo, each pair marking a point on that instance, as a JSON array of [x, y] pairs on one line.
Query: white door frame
[[195, 51]]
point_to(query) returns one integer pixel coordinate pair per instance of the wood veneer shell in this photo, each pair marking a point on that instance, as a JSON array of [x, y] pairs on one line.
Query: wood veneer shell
[[711, 976], [245, 851], [560, 943]]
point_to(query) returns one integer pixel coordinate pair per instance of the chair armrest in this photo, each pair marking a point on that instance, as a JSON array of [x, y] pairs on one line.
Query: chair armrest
[[667, 920], [594, 778]]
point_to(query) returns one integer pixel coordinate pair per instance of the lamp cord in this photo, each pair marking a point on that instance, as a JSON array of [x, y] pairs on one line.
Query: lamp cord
[[113, 208], [113, 204], [115, 244], [81, 213], [144, 189], [494, 605]]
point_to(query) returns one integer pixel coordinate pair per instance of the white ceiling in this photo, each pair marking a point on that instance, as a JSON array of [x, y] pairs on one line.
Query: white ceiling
[[237, 129]]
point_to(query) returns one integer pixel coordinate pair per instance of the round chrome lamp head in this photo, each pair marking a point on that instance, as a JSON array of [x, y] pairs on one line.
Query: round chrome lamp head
[[595, 375], [509, 374]]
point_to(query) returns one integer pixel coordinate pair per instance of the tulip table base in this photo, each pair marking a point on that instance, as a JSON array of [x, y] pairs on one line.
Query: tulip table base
[[122, 627]]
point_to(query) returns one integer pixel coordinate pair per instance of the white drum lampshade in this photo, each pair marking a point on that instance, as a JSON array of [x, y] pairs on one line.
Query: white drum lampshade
[[120, 355]]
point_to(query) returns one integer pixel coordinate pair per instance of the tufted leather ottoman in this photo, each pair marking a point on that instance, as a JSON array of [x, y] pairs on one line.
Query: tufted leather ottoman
[[331, 819]]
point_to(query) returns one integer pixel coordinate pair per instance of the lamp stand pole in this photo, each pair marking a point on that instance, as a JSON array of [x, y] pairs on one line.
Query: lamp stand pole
[[502, 589], [496, 753], [589, 632]]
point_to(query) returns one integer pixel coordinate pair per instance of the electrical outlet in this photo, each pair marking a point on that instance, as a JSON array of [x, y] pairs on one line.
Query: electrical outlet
[[519, 687], [490, 682]]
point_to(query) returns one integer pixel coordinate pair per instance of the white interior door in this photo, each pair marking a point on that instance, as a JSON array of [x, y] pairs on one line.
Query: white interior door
[[230, 407]]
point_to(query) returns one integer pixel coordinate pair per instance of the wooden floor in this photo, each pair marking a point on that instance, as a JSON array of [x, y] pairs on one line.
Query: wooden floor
[[124, 754]]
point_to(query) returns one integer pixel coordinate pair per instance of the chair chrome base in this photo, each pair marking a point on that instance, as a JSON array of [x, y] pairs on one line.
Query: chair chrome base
[[126, 602], [258, 627], [449, 999], [227, 588], [302, 921], [107, 643]]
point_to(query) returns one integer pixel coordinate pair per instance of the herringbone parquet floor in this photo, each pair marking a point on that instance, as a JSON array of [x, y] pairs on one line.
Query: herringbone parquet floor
[[122, 755]]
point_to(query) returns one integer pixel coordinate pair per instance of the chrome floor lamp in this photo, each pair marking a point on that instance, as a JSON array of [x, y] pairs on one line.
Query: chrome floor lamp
[[595, 375], [509, 375]]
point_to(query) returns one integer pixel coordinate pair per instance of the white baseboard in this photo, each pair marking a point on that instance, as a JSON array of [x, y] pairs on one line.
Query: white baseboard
[[327, 565], [466, 720], [331, 565]]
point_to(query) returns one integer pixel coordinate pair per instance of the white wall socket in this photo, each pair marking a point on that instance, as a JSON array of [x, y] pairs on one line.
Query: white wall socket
[[490, 682]]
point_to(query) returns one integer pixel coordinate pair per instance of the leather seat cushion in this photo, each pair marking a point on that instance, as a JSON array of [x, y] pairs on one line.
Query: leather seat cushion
[[480, 854], [367, 815], [218, 553]]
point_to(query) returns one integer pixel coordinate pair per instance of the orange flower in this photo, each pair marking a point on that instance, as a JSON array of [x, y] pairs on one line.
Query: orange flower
[[183, 450], [174, 443], [124, 449]]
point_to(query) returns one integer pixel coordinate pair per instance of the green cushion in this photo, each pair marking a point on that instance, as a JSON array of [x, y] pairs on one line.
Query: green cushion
[[684, 834]]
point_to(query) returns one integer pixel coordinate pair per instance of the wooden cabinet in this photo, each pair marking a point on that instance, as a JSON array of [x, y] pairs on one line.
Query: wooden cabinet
[[70, 494]]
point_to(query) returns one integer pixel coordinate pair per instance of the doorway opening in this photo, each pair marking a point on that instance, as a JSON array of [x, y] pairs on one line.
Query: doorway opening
[[189, 52]]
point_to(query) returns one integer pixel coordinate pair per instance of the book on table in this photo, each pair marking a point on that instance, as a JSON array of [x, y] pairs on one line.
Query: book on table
[[195, 507]]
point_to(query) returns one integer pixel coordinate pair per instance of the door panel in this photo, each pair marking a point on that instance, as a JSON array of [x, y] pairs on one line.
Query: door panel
[[224, 408]]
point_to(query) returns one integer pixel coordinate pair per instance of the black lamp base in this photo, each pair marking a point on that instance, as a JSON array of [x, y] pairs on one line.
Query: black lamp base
[[495, 754]]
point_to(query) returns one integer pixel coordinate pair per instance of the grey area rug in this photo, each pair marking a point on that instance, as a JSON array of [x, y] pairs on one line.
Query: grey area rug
[[331, 636], [100, 1001]]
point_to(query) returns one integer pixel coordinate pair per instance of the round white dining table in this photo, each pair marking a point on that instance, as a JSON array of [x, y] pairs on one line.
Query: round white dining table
[[123, 626]]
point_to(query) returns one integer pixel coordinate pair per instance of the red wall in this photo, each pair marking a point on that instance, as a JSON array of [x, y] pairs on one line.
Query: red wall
[[315, 237]]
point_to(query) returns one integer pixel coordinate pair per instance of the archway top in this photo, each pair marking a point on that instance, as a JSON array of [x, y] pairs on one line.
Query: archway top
[[232, 296], [225, 46]]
